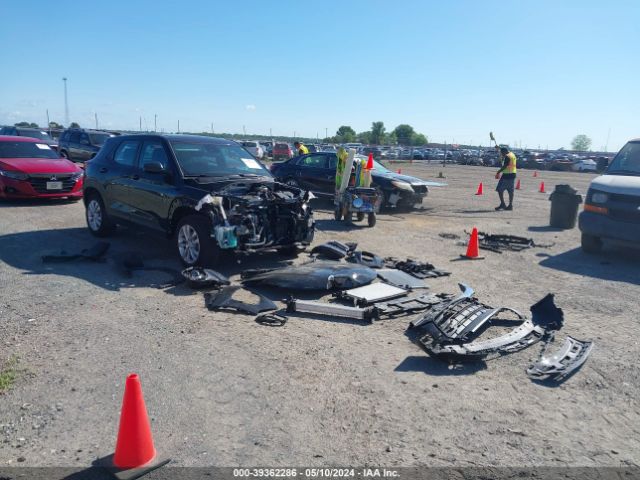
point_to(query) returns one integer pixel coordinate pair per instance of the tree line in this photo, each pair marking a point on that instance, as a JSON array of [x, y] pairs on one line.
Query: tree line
[[403, 134]]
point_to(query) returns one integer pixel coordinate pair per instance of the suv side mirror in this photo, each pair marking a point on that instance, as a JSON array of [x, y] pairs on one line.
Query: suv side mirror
[[154, 167]]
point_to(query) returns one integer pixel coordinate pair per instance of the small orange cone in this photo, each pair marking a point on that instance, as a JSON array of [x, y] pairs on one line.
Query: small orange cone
[[135, 453], [479, 192], [473, 249], [542, 188], [518, 185], [399, 170], [535, 173], [370, 162]]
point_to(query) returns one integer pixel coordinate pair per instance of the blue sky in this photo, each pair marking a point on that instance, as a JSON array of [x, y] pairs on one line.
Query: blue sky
[[534, 72]]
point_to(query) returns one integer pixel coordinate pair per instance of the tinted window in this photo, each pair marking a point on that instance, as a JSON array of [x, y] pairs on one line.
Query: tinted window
[[333, 161], [34, 134], [315, 161], [84, 139], [65, 137], [153, 152], [126, 153], [26, 150], [75, 137], [209, 159], [627, 161], [98, 139]]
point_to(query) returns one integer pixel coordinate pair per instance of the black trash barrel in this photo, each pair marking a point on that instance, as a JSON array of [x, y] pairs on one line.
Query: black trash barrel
[[565, 201]]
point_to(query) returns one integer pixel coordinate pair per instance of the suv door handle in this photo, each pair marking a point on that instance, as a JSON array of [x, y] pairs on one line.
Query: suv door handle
[[104, 170]]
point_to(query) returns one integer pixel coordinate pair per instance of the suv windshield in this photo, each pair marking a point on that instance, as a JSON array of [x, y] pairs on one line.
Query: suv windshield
[[26, 150], [98, 138], [35, 134], [212, 160], [627, 161]]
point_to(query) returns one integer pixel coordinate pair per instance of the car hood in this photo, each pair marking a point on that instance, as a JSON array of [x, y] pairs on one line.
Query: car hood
[[405, 178], [39, 165], [623, 184]]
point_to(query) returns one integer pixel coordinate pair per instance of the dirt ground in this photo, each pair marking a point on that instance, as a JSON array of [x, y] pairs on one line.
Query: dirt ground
[[222, 390]]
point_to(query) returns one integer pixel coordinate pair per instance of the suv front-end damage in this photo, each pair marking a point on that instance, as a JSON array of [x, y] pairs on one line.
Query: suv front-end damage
[[250, 217]]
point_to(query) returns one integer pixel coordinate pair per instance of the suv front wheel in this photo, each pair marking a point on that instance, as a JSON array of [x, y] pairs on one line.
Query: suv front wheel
[[98, 221], [194, 243]]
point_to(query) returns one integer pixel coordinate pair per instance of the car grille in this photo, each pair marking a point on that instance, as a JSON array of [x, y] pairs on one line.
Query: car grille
[[618, 197], [419, 188], [625, 215], [39, 182]]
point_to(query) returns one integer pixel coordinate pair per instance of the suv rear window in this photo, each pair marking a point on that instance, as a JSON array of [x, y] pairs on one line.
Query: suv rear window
[[98, 138], [281, 145]]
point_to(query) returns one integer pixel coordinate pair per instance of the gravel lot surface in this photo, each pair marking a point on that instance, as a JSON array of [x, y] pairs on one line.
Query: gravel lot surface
[[222, 390]]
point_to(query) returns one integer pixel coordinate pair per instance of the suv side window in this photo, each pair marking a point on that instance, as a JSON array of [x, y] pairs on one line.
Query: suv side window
[[74, 137], [333, 161], [126, 153], [313, 161], [84, 139], [65, 137], [153, 151]]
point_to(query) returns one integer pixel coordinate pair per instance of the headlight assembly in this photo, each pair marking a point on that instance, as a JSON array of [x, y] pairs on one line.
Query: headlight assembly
[[13, 175], [402, 185]]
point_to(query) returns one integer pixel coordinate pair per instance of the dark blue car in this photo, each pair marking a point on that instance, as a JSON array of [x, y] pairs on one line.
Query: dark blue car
[[317, 172]]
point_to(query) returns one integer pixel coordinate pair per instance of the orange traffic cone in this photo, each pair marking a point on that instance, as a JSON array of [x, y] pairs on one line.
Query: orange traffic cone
[[370, 162], [542, 188], [473, 249], [479, 192], [535, 173], [518, 185], [399, 170], [135, 453]]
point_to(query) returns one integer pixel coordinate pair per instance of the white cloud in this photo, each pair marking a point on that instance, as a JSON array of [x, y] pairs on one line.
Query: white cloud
[[250, 107]]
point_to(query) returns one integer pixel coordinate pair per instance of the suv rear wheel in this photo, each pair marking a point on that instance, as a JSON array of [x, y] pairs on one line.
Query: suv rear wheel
[[98, 221], [194, 243]]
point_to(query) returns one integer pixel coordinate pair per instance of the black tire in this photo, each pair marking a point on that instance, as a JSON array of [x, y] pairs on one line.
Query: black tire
[[98, 222], [194, 244], [371, 220], [337, 214], [360, 216], [591, 244]]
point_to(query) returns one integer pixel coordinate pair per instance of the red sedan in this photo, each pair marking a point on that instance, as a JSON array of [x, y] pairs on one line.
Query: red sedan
[[31, 169]]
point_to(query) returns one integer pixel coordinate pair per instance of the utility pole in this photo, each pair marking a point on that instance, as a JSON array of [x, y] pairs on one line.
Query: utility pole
[[270, 134], [155, 122], [244, 131], [326, 133], [48, 122], [212, 128], [66, 103], [96, 116]]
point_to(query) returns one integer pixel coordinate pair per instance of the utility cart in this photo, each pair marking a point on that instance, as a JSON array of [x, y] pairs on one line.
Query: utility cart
[[363, 201]]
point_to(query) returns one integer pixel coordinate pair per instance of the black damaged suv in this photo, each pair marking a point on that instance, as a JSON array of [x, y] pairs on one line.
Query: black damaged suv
[[210, 194]]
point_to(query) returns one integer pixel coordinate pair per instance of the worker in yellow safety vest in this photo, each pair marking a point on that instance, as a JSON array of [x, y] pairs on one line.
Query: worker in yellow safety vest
[[300, 148], [507, 176]]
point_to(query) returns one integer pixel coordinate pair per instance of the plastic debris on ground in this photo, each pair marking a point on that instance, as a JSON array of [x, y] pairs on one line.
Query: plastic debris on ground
[[223, 300], [414, 267], [198, 277]]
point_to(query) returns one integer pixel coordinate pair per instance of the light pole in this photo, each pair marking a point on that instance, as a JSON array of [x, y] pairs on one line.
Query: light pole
[[66, 104], [155, 122]]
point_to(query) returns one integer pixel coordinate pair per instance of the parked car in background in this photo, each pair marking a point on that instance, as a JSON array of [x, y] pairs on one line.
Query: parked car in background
[[268, 148], [282, 151], [585, 165], [317, 171], [612, 207], [79, 145], [167, 184], [38, 133], [253, 148], [376, 151], [30, 168]]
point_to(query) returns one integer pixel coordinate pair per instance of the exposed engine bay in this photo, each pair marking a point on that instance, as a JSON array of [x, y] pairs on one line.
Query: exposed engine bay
[[254, 216]]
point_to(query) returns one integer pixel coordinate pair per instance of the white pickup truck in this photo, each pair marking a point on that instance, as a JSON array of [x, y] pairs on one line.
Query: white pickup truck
[[612, 206]]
